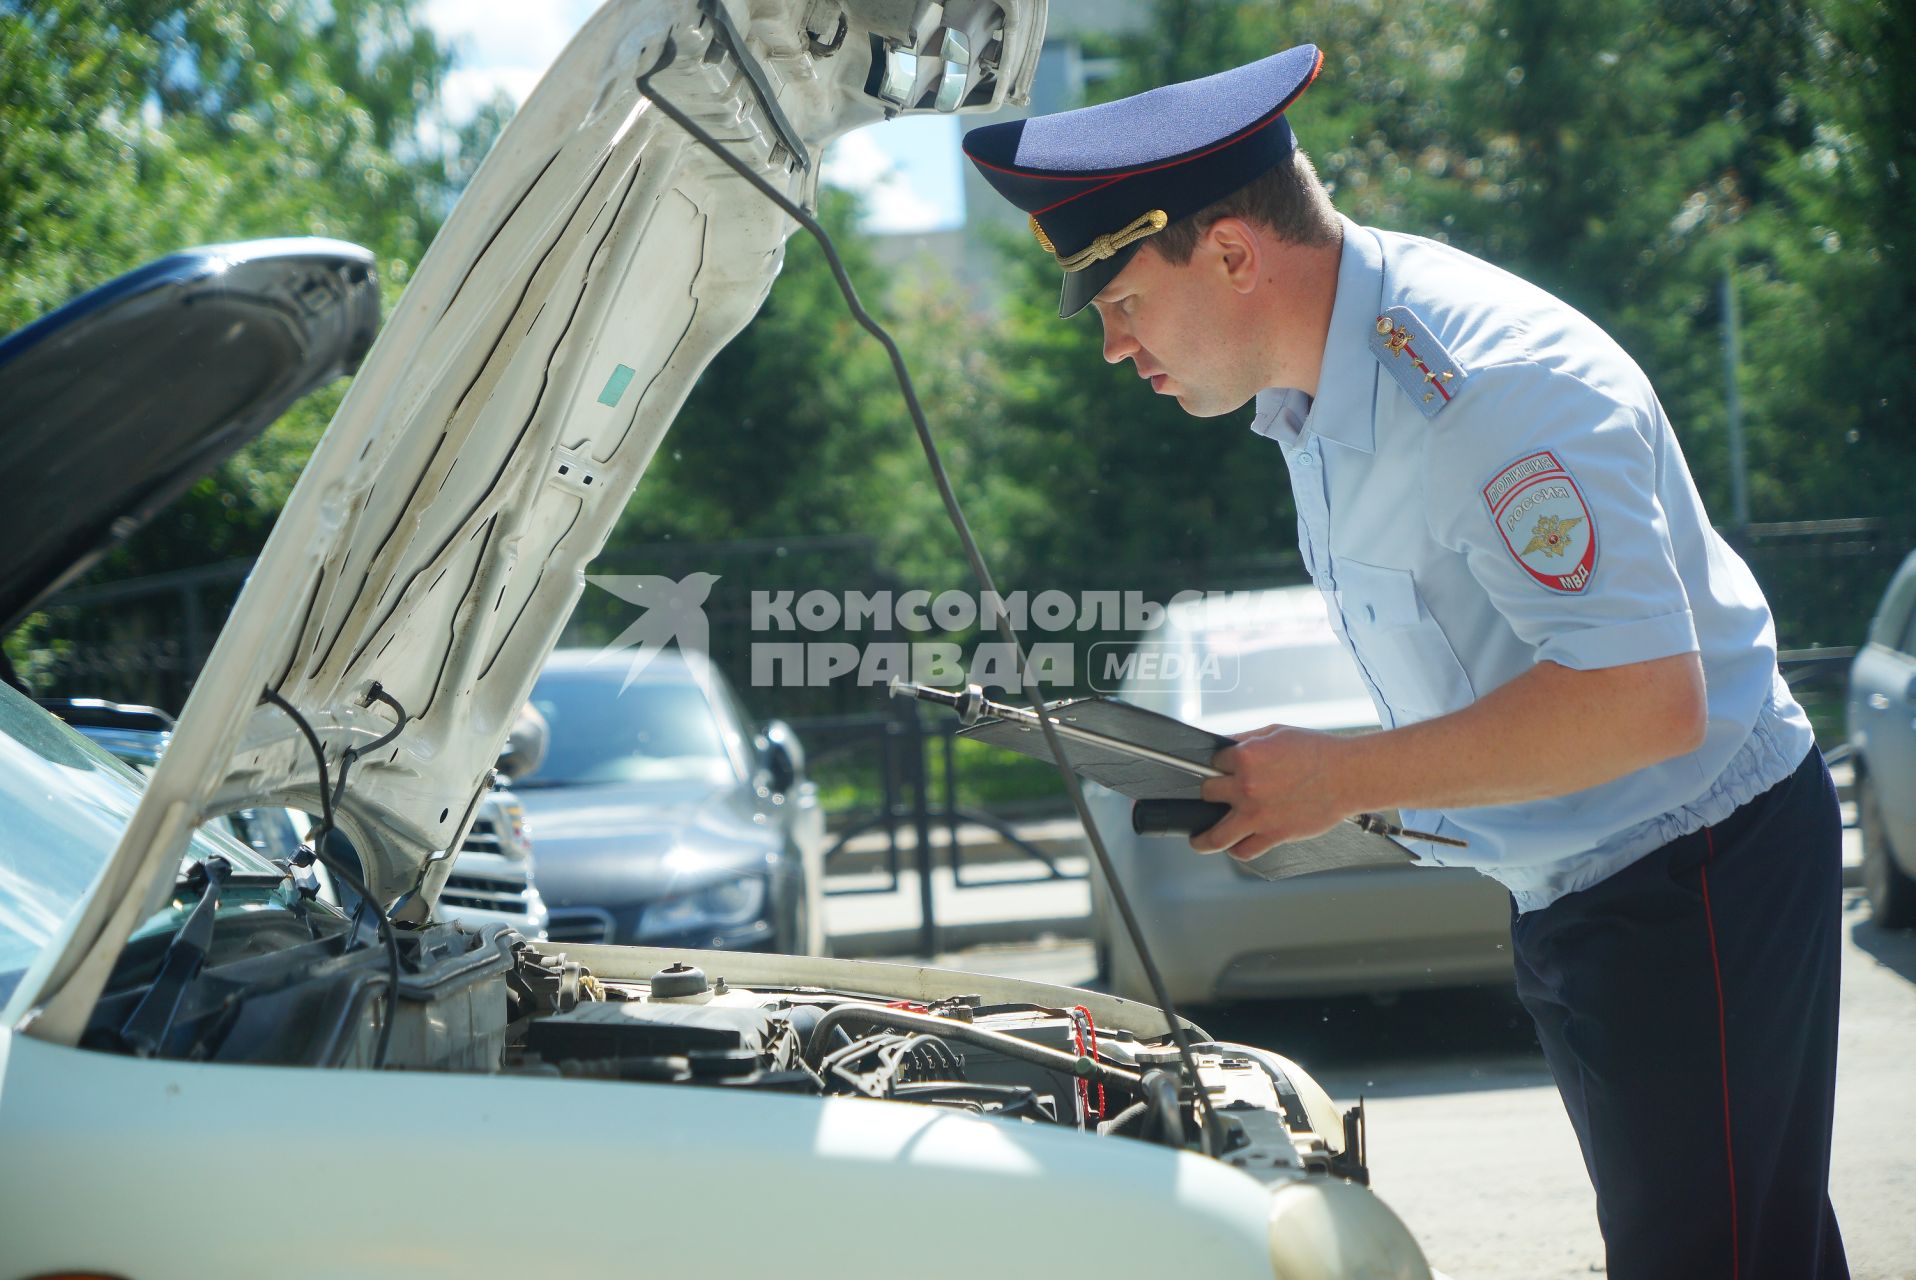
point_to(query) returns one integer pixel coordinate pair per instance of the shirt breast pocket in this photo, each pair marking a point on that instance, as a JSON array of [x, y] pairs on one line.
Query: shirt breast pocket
[[1399, 643]]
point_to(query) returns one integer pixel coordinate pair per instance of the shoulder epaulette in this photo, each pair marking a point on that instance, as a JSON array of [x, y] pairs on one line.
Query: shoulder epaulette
[[1405, 346]]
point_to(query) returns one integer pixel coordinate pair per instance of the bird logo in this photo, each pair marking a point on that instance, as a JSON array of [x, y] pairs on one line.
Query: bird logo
[[1551, 535], [674, 612]]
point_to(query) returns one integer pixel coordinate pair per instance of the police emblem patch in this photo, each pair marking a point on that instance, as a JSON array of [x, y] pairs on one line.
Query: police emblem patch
[[1542, 517]]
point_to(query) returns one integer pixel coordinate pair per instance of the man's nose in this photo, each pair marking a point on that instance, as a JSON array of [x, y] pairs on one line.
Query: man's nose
[[1118, 343]]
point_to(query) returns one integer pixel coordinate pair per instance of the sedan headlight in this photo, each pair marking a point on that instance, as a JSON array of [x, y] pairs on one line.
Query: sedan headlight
[[1325, 1230], [723, 905]]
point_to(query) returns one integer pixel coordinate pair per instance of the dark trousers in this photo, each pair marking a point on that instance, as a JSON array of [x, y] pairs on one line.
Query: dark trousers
[[1687, 1008]]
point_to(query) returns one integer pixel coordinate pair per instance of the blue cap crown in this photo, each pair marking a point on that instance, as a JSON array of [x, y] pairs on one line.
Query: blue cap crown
[[1100, 180]]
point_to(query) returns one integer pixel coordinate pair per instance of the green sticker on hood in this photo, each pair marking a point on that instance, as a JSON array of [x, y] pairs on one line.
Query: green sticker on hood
[[615, 385]]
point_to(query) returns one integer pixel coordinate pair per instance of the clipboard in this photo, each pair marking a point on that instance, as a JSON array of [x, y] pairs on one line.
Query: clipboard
[[1341, 848]]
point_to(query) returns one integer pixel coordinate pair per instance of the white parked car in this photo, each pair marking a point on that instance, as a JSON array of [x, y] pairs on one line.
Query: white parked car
[[418, 1099], [1217, 930]]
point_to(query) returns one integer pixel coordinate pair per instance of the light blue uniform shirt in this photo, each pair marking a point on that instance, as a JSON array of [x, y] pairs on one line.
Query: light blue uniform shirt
[[1533, 506]]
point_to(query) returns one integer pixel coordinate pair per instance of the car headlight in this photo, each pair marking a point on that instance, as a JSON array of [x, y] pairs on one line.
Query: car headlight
[[723, 905], [516, 839], [1327, 1230]]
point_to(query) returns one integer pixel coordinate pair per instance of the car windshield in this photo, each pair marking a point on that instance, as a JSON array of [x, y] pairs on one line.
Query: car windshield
[[653, 731], [64, 801], [1285, 675]]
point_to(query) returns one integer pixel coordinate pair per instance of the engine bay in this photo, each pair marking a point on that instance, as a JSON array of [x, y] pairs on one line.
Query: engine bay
[[1015, 1061], [315, 993]]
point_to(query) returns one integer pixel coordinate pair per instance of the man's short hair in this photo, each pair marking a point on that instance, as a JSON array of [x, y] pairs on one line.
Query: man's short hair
[[1288, 199]]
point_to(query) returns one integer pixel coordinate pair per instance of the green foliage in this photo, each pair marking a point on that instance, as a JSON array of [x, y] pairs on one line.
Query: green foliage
[[138, 127], [1828, 272], [1623, 153]]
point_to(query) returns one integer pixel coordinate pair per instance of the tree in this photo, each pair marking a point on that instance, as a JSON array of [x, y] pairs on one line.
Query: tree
[[137, 127], [1828, 273]]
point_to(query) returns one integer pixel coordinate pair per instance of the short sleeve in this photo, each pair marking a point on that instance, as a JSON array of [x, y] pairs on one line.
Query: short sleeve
[[1549, 488]]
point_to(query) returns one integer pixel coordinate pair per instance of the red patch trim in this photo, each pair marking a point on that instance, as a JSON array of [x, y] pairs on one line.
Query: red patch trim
[[1723, 1052], [1429, 377], [1579, 577]]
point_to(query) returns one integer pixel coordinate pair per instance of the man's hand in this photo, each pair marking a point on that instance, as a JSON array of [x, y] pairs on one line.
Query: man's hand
[[1281, 783]]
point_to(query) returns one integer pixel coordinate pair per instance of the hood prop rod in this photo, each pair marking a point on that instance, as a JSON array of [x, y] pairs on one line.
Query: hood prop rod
[[1209, 1126]]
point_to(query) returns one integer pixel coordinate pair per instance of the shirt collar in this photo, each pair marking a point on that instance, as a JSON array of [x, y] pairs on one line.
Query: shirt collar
[[1281, 412], [1347, 380]]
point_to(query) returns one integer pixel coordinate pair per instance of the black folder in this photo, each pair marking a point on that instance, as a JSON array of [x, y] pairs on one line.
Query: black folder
[[1342, 847]]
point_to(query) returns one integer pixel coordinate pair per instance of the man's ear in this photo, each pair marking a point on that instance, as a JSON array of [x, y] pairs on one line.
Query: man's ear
[[1237, 252]]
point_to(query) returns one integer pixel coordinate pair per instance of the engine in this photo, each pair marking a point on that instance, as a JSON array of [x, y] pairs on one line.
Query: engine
[[279, 988], [1021, 1063]]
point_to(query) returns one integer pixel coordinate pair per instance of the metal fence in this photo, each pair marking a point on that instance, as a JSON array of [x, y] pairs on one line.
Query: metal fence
[[1823, 578], [916, 767], [139, 640], [145, 640]]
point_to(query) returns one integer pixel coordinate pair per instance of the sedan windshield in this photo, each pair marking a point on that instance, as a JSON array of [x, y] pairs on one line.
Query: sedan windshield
[[64, 802], [651, 732]]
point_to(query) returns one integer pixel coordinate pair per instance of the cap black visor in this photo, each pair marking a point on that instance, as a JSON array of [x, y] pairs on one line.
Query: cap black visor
[[1082, 286]]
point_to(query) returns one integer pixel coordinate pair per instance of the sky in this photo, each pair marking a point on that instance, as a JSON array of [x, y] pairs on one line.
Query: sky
[[907, 170]]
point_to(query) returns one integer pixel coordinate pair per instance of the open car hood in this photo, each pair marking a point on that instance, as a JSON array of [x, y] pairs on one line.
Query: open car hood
[[125, 396], [436, 543]]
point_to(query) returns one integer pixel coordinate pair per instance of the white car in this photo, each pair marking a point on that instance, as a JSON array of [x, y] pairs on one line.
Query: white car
[[411, 1098], [1217, 930]]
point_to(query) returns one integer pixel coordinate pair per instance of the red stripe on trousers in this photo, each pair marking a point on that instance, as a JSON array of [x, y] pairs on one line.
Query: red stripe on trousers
[[1723, 1050]]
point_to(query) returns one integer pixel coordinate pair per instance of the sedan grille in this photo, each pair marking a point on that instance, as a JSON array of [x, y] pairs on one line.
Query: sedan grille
[[579, 924], [482, 893], [483, 837]]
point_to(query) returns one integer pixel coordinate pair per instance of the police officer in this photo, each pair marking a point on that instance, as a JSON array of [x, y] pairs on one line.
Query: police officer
[[1575, 674]]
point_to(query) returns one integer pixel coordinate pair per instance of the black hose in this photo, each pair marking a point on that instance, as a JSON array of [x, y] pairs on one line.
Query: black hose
[[1014, 1100], [316, 841], [346, 758], [1161, 1093], [1124, 1119], [1180, 1035]]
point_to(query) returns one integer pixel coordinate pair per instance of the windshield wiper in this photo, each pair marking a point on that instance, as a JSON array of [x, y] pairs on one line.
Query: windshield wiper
[[146, 1028]]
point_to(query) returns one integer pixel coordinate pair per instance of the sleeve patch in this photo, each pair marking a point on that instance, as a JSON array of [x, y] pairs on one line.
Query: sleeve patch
[[1405, 346], [1543, 519]]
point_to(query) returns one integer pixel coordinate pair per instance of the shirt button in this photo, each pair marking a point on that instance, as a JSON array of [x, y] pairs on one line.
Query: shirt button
[[1306, 459]]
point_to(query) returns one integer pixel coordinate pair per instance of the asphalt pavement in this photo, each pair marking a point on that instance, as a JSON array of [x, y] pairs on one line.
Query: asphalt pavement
[[1468, 1140]]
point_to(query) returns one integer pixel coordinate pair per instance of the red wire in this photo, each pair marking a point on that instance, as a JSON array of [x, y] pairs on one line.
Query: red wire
[[1084, 1089]]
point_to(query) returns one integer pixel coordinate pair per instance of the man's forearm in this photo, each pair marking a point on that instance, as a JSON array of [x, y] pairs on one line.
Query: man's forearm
[[1549, 732]]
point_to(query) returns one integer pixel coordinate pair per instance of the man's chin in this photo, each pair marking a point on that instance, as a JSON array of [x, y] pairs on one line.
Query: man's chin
[[1207, 406]]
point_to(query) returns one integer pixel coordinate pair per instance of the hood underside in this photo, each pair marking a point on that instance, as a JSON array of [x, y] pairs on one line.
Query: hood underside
[[437, 541], [122, 398]]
